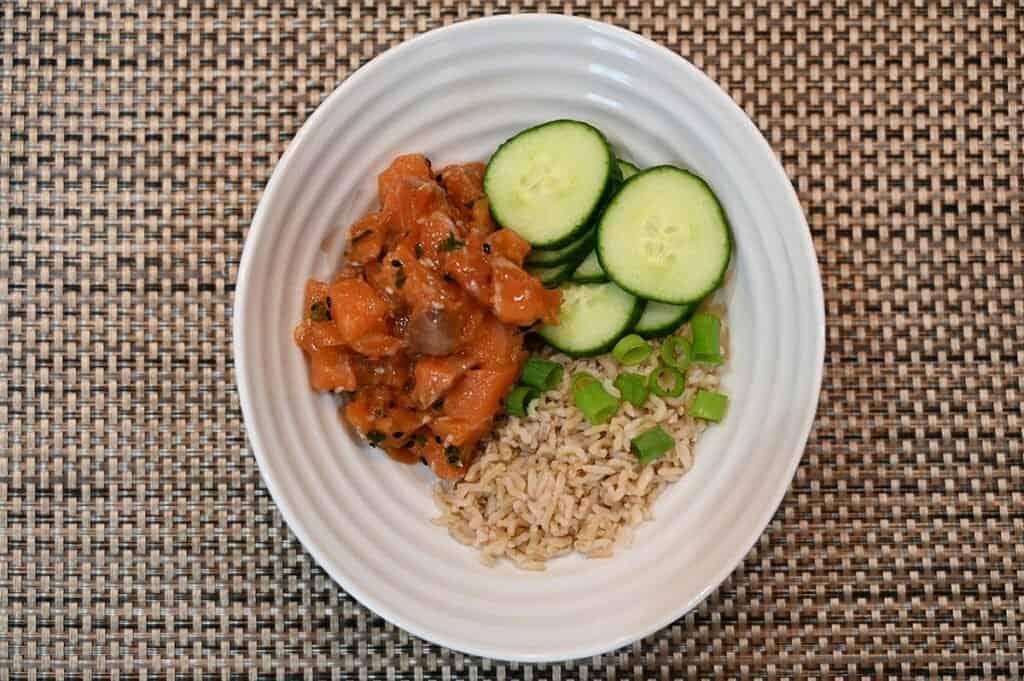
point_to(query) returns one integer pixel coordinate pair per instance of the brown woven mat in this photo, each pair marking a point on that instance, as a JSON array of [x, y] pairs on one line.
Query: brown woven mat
[[135, 534]]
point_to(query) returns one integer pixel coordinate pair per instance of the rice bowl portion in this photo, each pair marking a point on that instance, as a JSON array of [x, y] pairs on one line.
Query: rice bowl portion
[[425, 326], [366, 520], [550, 484]]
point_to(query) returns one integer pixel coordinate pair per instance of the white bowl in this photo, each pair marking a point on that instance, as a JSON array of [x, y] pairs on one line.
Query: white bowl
[[454, 94]]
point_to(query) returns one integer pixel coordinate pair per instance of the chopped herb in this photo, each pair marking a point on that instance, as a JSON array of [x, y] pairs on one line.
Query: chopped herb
[[451, 243], [454, 455], [709, 405], [396, 263], [487, 248], [420, 439], [319, 312], [400, 278], [419, 251], [632, 349], [398, 435], [407, 444], [437, 405], [328, 301], [674, 390], [449, 278], [651, 444], [541, 374], [362, 235], [520, 398], [375, 437], [437, 439], [596, 403]]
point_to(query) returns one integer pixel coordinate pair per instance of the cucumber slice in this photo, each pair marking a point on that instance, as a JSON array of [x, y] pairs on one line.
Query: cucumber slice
[[661, 319], [589, 271], [665, 237], [548, 183], [627, 169], [575, 252], [592, 318], [554, 275]]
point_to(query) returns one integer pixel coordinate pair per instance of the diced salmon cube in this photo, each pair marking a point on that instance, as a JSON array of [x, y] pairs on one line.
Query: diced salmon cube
[[446, 463], [480, 217], [520, 298], [366, 239], [315, 292], [464, 183], [381, 422], [358, 310], [438, 233], [313, 336], [509, 245], [331, 369], [376, 345], [435, 376], [408, 193], [407, 166], [470, 406], [495, 345], [468, 266]]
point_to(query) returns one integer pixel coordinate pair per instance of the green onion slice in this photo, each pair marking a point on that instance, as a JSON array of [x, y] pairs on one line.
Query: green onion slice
[[319, 312], [675, 352], [706, 338], [596, 403], [709, 406], [631, 349], [633, 388], [580, 379], [678, 382], [651, 444], [519, 399], [541, 374]]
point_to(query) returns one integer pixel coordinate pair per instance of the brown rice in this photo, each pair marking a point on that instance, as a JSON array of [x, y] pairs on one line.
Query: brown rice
[[550, 484]]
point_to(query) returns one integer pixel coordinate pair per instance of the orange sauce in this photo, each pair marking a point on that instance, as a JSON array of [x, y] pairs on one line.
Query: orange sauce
[[424, 322]]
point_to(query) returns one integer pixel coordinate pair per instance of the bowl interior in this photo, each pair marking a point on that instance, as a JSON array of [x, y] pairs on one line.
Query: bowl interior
[[455, 95]]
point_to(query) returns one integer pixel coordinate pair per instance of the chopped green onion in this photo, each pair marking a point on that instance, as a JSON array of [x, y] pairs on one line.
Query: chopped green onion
[[675, 352], [651, 444], [709, 406], [678, 382], [595, 402], [541, 374], [631, 349], [706, 338], [581, 378], [319, 312], [453, 455], [633, 388], [519, 399], [375, 437], [451, 243]]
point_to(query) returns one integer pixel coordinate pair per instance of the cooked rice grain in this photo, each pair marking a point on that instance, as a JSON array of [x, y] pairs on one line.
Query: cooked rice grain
[[551, 484]]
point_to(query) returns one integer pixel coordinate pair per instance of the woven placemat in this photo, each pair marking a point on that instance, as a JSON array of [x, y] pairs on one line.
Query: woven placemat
[[136, 538]]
